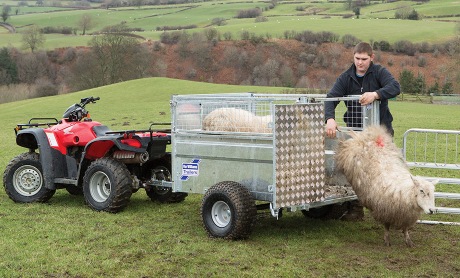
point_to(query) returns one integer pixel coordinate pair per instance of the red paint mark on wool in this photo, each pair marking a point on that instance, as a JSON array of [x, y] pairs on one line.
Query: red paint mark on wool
[[379, 141]]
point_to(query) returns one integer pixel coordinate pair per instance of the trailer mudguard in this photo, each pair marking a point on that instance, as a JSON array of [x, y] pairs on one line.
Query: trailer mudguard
[[53, 162]]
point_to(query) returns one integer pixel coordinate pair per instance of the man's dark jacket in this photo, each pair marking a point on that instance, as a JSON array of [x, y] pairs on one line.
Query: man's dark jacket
[[377, 79]]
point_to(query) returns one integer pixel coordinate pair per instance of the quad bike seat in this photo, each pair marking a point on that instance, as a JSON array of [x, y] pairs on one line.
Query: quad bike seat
[[101, 130]]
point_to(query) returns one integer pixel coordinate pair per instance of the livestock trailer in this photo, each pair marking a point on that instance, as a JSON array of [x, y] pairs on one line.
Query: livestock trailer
[[289, 167]]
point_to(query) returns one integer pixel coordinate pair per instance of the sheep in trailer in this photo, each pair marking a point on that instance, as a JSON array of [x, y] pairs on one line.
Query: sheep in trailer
[[236, 120], [378, 174]]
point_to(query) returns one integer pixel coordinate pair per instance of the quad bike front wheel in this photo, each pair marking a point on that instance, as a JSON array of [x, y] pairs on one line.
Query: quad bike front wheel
[[160, 193], [23, 179], [107, 185], [228, 211]]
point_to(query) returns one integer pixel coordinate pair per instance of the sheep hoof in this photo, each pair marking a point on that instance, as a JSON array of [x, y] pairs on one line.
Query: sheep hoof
[[409, 243]]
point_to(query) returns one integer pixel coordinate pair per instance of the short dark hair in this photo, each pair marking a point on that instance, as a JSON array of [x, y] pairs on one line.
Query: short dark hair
[[363, 47]]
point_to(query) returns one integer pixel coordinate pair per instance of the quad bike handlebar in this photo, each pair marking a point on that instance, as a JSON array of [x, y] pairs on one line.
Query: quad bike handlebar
[[77, 111]]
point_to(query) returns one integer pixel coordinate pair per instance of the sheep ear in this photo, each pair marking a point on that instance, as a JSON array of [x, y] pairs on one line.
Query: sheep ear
[[415, 180], [434, 182]]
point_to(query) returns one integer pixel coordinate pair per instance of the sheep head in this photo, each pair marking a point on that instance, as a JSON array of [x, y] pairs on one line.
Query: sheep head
[[424, 191]]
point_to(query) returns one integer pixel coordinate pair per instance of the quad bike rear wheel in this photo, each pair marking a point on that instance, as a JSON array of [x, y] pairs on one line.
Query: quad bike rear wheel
[[23, 179], [107, 185], [160, 193]]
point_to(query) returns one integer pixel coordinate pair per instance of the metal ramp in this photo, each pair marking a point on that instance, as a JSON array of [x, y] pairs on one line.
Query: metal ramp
[[432, 149]]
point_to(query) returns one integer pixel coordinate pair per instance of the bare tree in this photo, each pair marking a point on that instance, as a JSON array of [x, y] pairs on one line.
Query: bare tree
[[6, 12], [84, 73], [32, 66], [112, 52], [32, 38], [85, 23], [138, 3], [138, 66]]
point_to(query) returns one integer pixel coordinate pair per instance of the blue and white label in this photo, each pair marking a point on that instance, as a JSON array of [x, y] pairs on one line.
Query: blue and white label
[[191, 169]]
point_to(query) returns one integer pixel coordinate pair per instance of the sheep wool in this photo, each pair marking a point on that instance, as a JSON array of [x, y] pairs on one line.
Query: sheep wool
[[236, 120], [377, 172]]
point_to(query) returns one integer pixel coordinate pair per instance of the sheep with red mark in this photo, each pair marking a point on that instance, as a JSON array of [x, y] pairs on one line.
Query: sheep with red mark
[[378, 174], [236, 120]]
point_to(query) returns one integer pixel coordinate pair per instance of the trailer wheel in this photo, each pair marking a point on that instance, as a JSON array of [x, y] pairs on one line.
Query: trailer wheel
[[160, 193], [228, 211], [107, 185], [23, 179]]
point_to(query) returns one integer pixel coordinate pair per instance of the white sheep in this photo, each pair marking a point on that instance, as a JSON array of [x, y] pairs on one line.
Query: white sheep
[[236, 120], [376, 170]]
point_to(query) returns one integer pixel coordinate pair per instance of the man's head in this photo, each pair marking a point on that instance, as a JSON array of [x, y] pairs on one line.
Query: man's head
[[362, 57]]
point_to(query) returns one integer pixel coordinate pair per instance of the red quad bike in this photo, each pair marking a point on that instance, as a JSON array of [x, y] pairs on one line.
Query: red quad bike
[[86, 157]]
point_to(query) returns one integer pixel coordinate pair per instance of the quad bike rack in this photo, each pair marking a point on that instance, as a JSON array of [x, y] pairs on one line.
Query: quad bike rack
[[435, 149]]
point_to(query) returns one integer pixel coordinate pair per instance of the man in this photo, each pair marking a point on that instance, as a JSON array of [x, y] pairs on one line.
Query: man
[[371, 81]]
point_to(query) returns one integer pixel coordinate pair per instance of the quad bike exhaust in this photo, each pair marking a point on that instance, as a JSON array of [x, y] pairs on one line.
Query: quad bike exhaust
[[131, 157]]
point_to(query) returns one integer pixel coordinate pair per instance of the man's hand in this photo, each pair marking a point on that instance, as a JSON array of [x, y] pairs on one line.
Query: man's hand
[[331, 128], [368, 98]]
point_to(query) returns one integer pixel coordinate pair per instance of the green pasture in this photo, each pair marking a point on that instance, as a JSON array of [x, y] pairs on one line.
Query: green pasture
[[439, 8], [147, 18], [375, 22], [31, 5], [27, 10], [364, 29], [421, 31]]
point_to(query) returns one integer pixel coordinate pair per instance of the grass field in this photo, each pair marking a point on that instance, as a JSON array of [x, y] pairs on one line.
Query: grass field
[[375, 23], [64, 238]]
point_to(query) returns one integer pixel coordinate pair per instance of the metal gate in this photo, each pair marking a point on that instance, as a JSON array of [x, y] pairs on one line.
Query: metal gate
[[440, 150]]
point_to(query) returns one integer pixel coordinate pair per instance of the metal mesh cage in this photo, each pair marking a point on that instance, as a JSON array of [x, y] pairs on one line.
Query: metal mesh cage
[[252, 112]]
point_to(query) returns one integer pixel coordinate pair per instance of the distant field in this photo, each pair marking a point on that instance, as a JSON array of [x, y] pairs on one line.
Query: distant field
[[285, 16]]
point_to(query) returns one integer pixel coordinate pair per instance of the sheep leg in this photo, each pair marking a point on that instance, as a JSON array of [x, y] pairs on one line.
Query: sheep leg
[[409, 242], [386, 235]]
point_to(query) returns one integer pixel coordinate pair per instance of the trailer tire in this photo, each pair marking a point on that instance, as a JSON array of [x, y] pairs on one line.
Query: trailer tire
[[228, 211], [23, 179], [160, 193], [107, 185]]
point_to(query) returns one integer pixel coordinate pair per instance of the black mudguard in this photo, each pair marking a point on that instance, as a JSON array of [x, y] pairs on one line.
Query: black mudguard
[[54, 163]]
